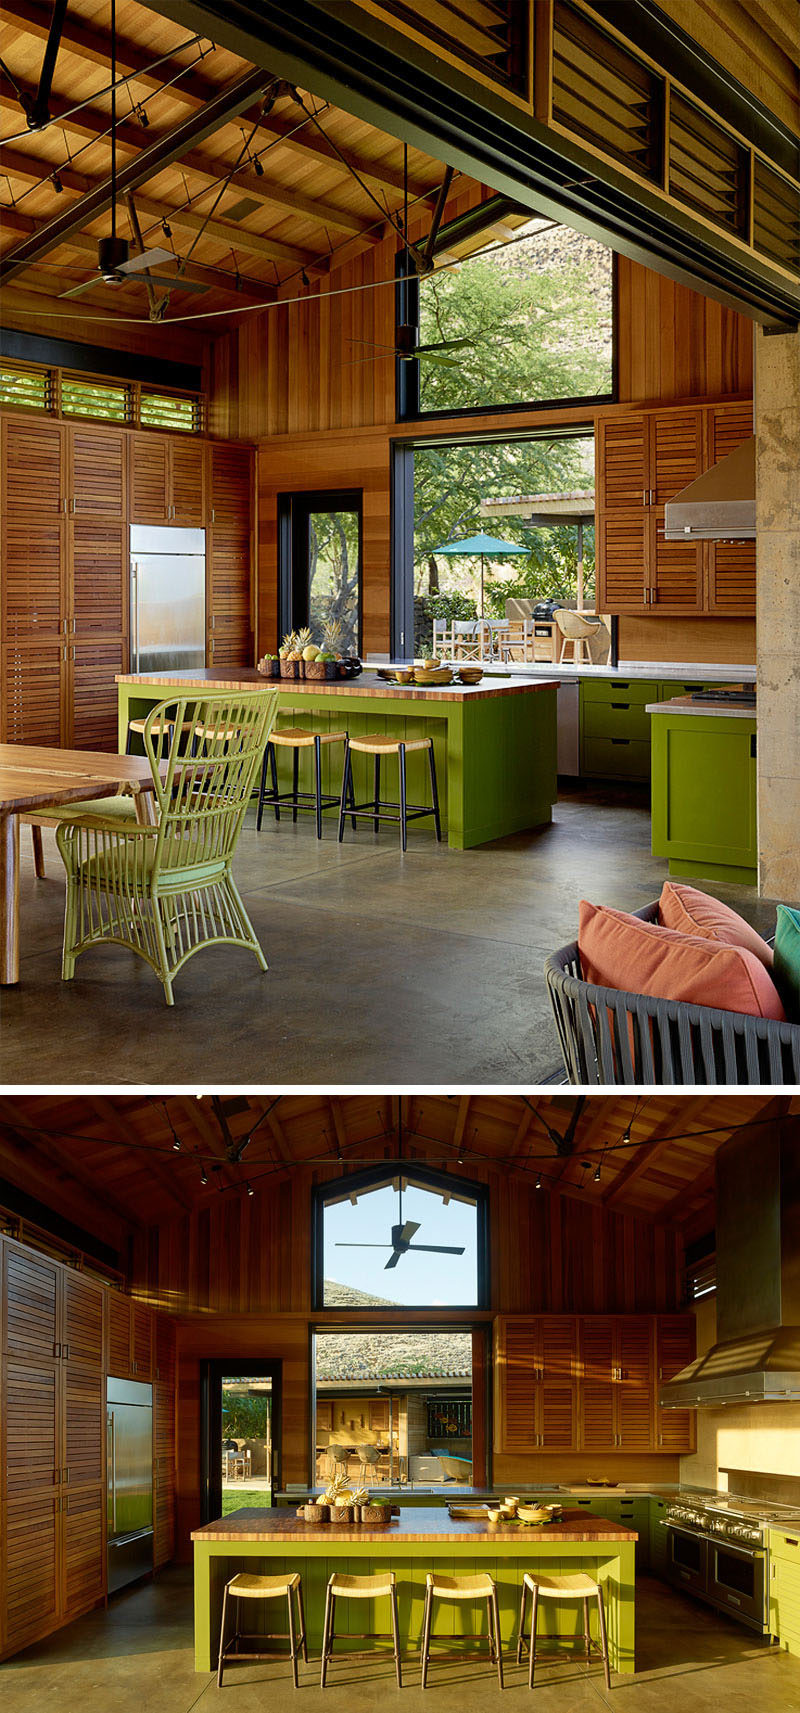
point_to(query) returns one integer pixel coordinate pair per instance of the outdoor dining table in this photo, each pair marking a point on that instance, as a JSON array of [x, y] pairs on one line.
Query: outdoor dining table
[[34, 779]]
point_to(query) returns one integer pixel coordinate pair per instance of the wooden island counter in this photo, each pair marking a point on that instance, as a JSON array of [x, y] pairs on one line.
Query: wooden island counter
[[495, 742], [416, 1541]]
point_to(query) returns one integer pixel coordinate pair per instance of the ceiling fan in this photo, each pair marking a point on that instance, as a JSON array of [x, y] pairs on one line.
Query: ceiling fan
[[401, 1235], [420, 255], [115, 264]]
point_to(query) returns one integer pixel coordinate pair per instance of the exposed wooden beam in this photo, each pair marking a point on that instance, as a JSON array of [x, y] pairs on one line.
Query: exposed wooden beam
[[310, 141], [645, 1156], [340, 1129], [226, 232], [264, 191], [160, 153], [461, 1121], [112, 1120], [54, 1155], [94, 45], [197, 1118]]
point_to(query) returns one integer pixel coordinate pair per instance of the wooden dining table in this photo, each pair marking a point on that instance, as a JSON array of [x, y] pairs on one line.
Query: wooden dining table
[[34, 779]]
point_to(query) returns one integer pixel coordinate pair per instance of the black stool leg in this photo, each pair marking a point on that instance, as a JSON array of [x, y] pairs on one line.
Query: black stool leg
[[435, 794], [129, 740], [352, 797], [262, 788], [490, 1628], [326, 1636], [498, 1651], [601, 1613], [586, 1629], [302, 1612], [532, 1643], [403, 816], [221, 1660], [292, 1638], [295, 781], [426, 1636], [347, 785], [318, 783], [395, 1633], [376, 822], [273, 762], [523, 1600]]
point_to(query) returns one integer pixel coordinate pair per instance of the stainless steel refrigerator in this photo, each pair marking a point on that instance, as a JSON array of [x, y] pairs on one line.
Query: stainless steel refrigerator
[[129, 1475], [168, 598]]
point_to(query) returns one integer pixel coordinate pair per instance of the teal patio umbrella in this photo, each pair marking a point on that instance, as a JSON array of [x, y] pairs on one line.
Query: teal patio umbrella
[[483, 547]]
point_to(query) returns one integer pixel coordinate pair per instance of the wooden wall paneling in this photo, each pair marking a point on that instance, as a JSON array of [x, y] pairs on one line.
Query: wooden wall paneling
[[229, 541], [164, 1449]]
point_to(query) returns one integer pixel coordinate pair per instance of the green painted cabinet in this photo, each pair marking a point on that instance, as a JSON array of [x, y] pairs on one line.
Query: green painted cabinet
[[784, 1589], [704, 795], [658, 1536], [615, 730]]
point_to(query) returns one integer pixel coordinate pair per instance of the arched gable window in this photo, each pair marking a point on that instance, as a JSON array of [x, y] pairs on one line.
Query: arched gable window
[[400, 1235]]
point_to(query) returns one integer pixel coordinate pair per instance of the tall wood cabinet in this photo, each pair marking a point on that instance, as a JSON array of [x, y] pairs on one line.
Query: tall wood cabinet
[[70, 492], [61, 1333], [643, 459], [590, 1383]]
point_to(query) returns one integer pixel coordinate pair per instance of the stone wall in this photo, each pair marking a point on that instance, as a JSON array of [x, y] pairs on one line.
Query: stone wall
[[777, 405]]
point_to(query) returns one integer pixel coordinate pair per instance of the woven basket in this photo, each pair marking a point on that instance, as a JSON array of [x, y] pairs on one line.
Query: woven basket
[[315, 668], [374, 1513], [271, 667], [341, 1514], [314, 1513], [290, 668]]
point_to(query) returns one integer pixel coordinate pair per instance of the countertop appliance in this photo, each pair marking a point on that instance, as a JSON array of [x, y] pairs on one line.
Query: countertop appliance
[[718, 1550], [129, 1478], [168, 598]]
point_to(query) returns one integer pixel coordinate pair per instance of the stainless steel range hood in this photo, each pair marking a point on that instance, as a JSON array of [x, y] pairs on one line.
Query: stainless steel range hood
[[720, 505], [756, 1358]]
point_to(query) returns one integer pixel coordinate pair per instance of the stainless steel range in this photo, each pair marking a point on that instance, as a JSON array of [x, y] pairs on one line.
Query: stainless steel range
[[718, 1551]]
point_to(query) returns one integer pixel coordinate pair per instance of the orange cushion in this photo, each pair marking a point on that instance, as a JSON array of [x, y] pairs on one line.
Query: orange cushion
[[691, 912], [623, 952]]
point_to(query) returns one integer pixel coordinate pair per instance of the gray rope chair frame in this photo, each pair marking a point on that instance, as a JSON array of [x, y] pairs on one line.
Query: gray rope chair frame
[[167, 891], [610, 1037]]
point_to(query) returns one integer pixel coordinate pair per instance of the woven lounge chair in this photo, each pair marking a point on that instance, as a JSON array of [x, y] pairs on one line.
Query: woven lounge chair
[[167, 891], [610, 1037]]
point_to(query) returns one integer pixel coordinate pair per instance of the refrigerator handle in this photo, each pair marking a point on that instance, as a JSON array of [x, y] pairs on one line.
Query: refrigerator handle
[[111, 1472], [135, 615]]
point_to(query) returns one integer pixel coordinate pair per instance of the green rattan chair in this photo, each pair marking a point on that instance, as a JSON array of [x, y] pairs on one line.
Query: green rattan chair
[[167, 891]]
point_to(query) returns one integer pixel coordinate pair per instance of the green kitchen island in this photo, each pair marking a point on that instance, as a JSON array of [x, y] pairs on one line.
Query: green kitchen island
[[274, 1541], [494, 742], [703, 784]]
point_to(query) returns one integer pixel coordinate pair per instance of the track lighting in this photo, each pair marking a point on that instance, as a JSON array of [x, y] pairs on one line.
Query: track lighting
[[56, 183], [176, 1147], [257, 167], [597, 1173], [626, 1134], [538, 1180], [142, 117], [304, 277], [203, 1175], [250, 1190], [167, 231]]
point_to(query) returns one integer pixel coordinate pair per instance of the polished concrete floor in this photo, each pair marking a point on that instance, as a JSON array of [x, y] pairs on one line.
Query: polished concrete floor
[[137, 1658], [391, 970]]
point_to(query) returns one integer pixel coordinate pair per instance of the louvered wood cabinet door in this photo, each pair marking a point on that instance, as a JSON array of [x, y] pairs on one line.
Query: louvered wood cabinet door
[[164, 1443], [92, 668], [623, 448], [676, 1430], [98, 630], [33, 467], [34, 576], [516, 1358], [31, 1314], [141, 1341], [118, 1320], [675, 571], [634, 1383], [81, 1577], [675, 453], [82, 1321], [731, 578], [149, 478], [187, 495], [229, 547], [597, 1411], [97, 472], [622, 546], [30, 1568]]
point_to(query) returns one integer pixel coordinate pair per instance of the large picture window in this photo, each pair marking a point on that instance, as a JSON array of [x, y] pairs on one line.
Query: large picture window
[[400, 1237], [525, 322]]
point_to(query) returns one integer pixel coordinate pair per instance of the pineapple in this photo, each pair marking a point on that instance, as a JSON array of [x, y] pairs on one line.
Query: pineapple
[[303, 639], [332, 635], [288, 645]]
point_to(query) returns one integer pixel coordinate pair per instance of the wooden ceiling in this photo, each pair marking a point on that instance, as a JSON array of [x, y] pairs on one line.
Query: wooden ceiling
[[108, 1163], [270, 193]]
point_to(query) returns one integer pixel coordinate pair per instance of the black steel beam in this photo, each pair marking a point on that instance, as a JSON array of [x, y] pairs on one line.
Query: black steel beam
[[352, 59], [230, 101]]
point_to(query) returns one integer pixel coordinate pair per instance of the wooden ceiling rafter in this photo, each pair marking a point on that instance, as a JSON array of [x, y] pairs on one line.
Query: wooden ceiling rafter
[[38, 1147], [645, 1156], [121, 1127]]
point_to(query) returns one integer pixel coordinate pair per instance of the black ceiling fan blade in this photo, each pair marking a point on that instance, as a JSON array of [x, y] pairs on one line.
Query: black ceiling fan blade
[[436, 1249], [408, 1230], [393, 1259], [339, 1245]]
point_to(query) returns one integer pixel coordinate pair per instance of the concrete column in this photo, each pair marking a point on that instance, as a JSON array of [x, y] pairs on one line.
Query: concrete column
[[777, 416]]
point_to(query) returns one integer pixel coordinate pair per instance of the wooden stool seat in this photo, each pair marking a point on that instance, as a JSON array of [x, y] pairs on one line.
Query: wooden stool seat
[[378, 744], [479, 1586], [378, 808], [460, 1587], [138, 725], [212, 733], [576, 1586], [249, 1585], [295, 738], [344, 1586], [299, 737]]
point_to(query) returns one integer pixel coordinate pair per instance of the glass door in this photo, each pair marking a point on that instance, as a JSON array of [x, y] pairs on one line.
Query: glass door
[[321, 567], [241, 1441]]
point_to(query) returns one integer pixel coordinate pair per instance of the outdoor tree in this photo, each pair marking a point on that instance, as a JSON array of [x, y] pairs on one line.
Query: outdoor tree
[[333, 574]]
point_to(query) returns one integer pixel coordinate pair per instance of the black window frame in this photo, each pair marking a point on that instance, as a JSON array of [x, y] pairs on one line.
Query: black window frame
[[294, 510], [374, 1177], [212, 1370], [407, 374]]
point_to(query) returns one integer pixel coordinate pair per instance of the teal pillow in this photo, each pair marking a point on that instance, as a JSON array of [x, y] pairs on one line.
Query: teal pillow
[[786, 968]]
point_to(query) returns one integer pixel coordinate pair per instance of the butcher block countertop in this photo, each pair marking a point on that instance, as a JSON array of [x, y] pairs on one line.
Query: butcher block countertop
[[417, 1525], [367, 684]]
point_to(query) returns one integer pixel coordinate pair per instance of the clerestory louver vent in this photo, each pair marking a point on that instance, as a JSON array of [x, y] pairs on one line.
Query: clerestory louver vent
[[606, 94], [490, 34], [776, 217], [707, 168]]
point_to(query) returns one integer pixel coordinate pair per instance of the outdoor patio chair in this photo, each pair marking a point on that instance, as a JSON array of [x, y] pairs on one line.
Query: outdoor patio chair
[[167, 891], [610, 1037]]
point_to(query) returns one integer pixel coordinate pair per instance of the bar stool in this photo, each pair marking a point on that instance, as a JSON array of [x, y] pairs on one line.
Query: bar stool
[[376, 809], [136, 728], [344, 1587], [579, 1586], [479, 1587], [247, 1586], [296, 738]]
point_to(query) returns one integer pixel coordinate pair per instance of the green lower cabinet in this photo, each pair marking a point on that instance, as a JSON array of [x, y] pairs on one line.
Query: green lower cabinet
[[659, 1537], [615, 730], [704, 796], [784, 1590]]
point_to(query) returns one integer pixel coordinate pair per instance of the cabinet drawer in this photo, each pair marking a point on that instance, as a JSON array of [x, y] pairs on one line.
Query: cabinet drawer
[[621, 689], [611, 758], [670, 687], [622, 719], [785, 1546]]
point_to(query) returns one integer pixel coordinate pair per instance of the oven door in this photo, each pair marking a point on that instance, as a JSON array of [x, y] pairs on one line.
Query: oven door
[[687, 1559], [737, 1582]]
